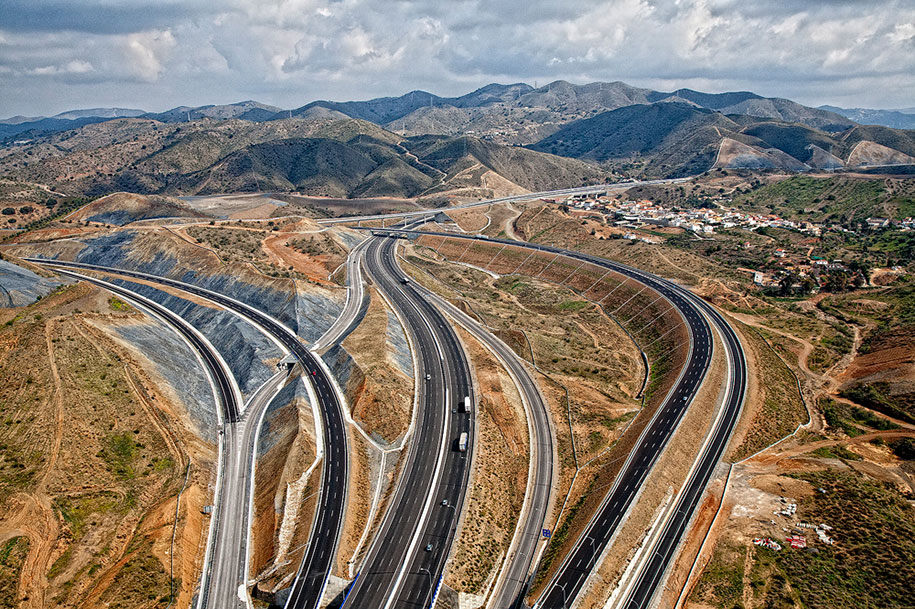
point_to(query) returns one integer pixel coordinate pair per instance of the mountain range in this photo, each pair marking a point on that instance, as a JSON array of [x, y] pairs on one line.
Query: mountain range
[[514, 113], [897, 119], [319, 156], [419, 144]]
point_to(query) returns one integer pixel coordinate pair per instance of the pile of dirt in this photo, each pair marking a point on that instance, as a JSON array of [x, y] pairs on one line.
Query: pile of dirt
[[123, 208]]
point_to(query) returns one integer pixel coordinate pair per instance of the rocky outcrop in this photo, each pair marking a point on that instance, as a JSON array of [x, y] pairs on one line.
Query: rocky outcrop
[[20, 286], [249, 354]]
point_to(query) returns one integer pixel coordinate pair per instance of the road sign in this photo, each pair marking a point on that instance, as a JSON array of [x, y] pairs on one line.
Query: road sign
[[547, 534]]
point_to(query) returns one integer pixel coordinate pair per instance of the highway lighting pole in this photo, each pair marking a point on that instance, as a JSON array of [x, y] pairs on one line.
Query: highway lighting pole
[[429, 573], [565, 596], [593, 553]]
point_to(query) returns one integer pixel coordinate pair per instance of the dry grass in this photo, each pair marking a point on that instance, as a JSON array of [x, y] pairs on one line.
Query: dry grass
[[499, 476], [88, 457], [577, 345], [774, 406], [383, 405]]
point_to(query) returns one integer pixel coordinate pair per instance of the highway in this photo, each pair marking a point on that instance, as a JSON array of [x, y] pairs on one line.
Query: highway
[[514, 578], [579, 190], [404, 565], [569, 580], [226, 586], [221, 539], [652, 574], [349, 318], [311, 578]]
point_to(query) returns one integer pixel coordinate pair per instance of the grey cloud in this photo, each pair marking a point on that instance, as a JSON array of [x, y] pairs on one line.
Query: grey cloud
[[95, 16], [288, 52]]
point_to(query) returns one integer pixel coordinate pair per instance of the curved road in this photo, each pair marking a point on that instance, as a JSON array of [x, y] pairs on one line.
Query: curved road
[[348, 319], [404, 565], [568, 582], [214, 588], [514, 578], [311, 578]]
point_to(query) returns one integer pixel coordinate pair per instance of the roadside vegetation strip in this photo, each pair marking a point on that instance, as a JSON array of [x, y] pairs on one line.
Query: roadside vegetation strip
[[225, 390], [560, 272], [781, 409], [687, 300]]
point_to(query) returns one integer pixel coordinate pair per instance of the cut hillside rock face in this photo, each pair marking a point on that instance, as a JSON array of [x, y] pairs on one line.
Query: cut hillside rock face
[[247, 351], [398, 347], [169, 355], [733, 154], [20, 286], [872, 154], [285, 486], [306, 308]]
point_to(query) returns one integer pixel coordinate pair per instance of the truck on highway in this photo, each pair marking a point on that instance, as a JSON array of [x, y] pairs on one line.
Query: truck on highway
[[462, 442], [465, 405]]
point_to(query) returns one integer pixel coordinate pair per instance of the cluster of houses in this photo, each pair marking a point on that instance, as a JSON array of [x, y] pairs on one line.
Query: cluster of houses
[[815, 268], [883, 223], [813, 271], [634, 214]]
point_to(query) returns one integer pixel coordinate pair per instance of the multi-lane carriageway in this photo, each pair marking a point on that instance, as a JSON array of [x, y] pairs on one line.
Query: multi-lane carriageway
[[568, 582], [405, 562], [311, 578], [405, 585]]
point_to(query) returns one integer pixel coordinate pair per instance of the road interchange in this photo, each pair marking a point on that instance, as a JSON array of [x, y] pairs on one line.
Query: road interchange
[[311, 579], [417, 574]]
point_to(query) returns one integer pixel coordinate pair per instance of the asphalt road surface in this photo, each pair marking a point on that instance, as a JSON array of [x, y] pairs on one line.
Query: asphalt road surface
[[565, 586], [404, 565], [349, 318], [524, 197], [514, 578], [311, 578]]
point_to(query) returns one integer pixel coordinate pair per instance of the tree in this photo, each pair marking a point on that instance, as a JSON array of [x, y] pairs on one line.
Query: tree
[[8, 211]]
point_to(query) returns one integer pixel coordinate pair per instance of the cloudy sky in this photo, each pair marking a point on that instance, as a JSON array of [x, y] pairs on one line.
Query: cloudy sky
[[155, 54]]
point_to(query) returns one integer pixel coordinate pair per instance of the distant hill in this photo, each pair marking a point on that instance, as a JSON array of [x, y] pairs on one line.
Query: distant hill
[[897, 119], [319, 156], [36, 125], [514, 114], [101, 113], [750, 104], [386, 146], [522, 114], [667, 138], [246, 110]]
